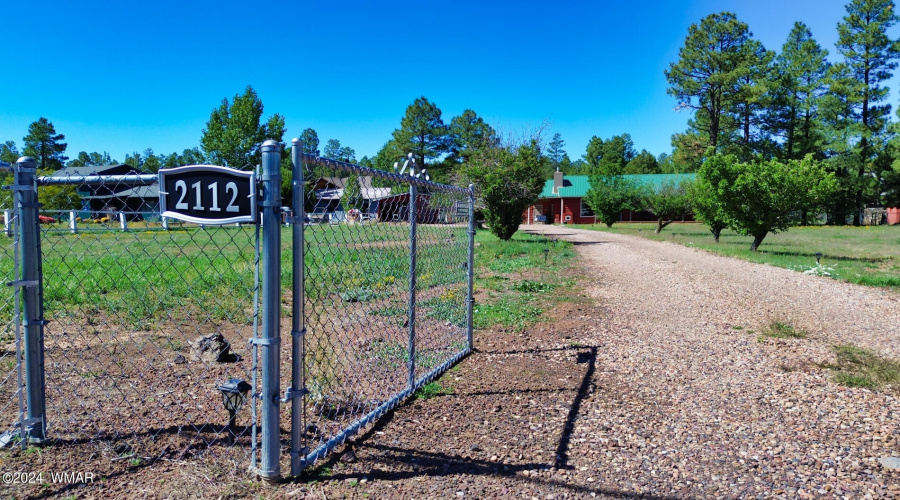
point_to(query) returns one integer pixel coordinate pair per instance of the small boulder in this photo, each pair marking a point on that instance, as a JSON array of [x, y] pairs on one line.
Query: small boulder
[[211, 348]]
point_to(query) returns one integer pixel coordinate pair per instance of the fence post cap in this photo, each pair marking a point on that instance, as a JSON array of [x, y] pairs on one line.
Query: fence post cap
[[271, 145], [26, 159], [296, 140]]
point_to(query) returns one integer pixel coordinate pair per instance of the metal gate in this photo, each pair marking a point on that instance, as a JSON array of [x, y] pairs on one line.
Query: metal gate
[[128, 335]]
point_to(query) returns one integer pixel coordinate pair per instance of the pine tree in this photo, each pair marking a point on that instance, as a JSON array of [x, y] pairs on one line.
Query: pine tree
[[45, 145], [422, 132], [799, 87], [870, 57], [707, 78], [234, 133]]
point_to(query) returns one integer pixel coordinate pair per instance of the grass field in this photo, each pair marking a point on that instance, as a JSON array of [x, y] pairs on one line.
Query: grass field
[[868, 255]]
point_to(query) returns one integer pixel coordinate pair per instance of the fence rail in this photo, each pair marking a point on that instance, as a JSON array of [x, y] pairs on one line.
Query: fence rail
[[127, 337]]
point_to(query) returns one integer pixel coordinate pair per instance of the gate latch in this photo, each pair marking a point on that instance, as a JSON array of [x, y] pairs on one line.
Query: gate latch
[[291, 393]]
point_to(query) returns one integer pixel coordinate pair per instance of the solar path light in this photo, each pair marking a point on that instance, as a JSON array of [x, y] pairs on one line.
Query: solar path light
[[233, 394]]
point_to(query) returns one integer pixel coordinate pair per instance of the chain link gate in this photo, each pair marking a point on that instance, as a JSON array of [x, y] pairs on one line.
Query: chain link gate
[[382, 294], [133, 328]]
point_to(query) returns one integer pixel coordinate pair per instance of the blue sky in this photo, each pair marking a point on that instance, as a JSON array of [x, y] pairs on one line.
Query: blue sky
[[124, 76]]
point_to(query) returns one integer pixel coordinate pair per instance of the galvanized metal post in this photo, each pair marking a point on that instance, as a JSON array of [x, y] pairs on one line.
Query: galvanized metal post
[[73, 224], [7, 222], [470, 298], [412, 281], [33, 306], [270, 340], [298, 318]]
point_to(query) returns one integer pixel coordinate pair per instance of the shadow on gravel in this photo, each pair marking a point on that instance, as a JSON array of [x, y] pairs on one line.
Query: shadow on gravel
[[562, 451], [440, 464], [433, 464]]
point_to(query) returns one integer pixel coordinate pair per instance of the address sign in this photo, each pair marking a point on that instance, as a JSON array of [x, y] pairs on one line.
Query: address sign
[[207, 194]]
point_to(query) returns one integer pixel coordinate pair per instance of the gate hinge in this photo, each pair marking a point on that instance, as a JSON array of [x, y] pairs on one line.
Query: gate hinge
[[296, 334], [291, 393], [23, 283], [265, 341], [294, 220], [19, 187]]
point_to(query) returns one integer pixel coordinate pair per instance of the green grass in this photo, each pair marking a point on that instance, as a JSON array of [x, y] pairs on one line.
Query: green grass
[[859, 367], [868, 255], [432, 390], [513, 301]]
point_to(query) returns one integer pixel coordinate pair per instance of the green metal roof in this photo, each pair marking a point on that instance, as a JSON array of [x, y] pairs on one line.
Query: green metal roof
[[576, 186]]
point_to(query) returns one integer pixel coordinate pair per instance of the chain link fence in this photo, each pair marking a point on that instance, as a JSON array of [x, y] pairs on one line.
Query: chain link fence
[[387, 286], [145, 327]]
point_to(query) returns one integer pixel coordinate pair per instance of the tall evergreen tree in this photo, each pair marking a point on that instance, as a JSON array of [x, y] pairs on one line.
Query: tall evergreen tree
[[611, 156], [234, 132], [310, 142], [468, 133], [45, 145], [332, 149], [422, 131], [555, 150], [712, 74], [799, 86], [9, 152], [870, 56]]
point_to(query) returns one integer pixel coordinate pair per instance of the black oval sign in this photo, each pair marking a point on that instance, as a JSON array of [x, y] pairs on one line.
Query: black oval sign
[[207, 194]]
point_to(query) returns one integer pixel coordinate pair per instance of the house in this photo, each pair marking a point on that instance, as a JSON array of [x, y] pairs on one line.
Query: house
[[134, 200], [562, 199], [329, 191]]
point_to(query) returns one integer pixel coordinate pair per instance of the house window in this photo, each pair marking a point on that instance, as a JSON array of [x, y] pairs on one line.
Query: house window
[[586, 210]]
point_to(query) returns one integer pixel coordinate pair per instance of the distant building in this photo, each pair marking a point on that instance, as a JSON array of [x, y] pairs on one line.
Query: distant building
[[135, 201], [562, 199]]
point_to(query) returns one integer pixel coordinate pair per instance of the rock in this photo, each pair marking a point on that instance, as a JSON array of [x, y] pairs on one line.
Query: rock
[[179, 360], [212, 348], [890, 463]]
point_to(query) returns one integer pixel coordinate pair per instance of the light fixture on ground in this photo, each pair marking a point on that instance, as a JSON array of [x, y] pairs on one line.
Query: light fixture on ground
[[233, 394]]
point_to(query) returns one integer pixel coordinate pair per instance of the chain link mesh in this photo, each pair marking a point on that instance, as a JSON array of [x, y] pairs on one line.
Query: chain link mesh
[[10, 384], [358, 293], [137, 311]]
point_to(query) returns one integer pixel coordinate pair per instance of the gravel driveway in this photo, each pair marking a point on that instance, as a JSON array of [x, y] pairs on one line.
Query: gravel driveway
[[688, 403], [653, 385]]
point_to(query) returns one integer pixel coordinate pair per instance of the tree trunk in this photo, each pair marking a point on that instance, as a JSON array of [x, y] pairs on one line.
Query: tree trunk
[[757, 240], [660, 225], [716, 232]]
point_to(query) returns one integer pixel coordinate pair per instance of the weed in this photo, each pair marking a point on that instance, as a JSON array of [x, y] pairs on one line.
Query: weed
[[135, 462], [859, 367], [529, 286], [779, 330], [737, 327], [431, 390], [353, 482]]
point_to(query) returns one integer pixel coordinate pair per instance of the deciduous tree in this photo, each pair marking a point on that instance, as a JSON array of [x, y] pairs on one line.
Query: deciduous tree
[[667, 203], [609, 195], [757, 198], [509, 181]]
